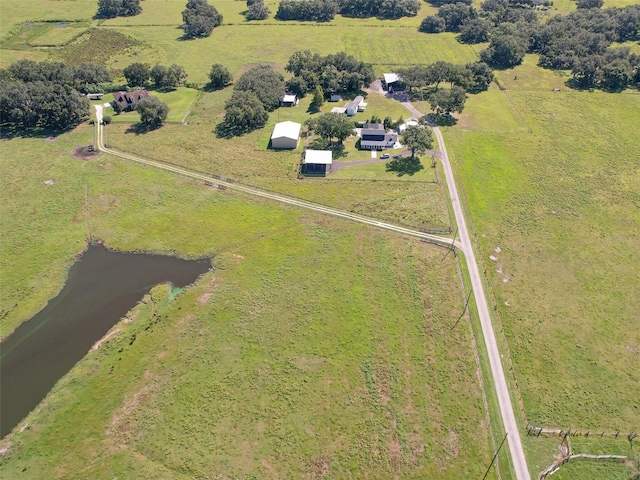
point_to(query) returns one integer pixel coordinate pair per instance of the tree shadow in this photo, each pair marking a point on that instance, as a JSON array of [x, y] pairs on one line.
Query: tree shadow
[[442, 120], [223, 130], [9, 131], [141, 128], [404, 166]]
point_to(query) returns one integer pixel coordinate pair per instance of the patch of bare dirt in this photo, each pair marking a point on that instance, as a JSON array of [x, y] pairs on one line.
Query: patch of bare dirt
[[211, 288], [83, 152], [320, 467]]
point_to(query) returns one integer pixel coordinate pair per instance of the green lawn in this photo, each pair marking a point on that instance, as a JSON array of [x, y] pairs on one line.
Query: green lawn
[[316, 348], [179, 102], [378, 171]]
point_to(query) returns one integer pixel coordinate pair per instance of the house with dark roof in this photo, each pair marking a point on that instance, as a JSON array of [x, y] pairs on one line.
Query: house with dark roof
[[374, 136], [127, 101]]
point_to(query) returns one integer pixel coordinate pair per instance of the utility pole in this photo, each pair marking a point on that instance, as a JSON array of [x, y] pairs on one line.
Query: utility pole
[[466, 305], [495, 456]]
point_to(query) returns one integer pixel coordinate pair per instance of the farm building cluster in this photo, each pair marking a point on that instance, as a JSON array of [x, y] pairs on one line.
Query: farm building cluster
[[372, 136]]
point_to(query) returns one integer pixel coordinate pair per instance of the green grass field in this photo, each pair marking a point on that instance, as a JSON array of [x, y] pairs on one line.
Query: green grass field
[[562, 204], [262, 368]]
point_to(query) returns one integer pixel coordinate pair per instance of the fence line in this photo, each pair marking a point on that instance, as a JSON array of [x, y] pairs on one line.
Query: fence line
[[534, 430]]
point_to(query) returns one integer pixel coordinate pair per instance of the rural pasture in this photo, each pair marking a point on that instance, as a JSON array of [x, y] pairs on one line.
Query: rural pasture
[[351, 370], [261, 368]]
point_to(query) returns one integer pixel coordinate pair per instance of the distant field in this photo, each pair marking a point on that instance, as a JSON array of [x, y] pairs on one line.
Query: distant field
[[316, 348], [562, 204], [17, 12], [59, 35]]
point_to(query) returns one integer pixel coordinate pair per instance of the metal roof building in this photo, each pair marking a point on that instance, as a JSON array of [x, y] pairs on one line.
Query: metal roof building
[[285, 135]]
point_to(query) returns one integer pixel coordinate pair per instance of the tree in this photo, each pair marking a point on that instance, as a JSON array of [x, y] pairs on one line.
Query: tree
[[318, 98], [267, 84], [433, 24], [41, 105], [447, 101], [475, 31], [158, 72], [419, 139], [200, 19], [504, 51], [330, 125], [118, 8], [455, 15], [616, 75], [168, 78], [244, 112], [137, 74], [257, 11], [219, 76], [152, 111], [297, 86], [587, 4], [482, 76]]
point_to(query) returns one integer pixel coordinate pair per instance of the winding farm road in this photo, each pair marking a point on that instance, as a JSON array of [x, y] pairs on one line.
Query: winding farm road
[[499, 379]]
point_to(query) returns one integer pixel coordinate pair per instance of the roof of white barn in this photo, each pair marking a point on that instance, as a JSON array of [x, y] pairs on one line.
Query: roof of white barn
[[289, 99], [391, 77], [286, 129], [318, 156]]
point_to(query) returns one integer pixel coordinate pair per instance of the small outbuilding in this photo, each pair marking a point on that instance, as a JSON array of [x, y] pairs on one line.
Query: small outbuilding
[[95, 96], [317, 162], [353, 106], [335, 98], [286, 135], [392, 82], [289, 100]]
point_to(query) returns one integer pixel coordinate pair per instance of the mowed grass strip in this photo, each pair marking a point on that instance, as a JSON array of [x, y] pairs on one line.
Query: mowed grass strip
[[315, 346], [561, 203]]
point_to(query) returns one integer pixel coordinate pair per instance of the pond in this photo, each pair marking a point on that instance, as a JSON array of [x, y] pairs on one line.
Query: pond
[[102, 286]]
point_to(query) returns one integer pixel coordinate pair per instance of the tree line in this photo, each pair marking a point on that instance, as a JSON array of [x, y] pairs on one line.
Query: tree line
[[326, 10], [47, 95], [580, 41], [334, 73]]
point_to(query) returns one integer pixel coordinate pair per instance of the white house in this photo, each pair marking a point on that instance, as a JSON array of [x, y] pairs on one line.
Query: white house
[[285, 135]]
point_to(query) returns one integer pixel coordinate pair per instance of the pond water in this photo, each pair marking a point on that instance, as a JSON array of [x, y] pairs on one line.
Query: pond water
[[102, 286]]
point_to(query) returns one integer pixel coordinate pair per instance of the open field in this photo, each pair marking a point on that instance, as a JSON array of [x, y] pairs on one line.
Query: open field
[[261, 368], [562, 204]]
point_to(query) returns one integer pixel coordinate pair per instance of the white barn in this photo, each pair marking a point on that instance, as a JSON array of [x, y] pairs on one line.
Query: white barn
[[285, 135], [317, 162]]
